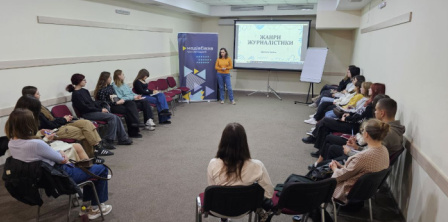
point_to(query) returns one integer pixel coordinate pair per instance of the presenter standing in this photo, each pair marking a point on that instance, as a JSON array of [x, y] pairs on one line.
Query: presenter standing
[[223, 66]]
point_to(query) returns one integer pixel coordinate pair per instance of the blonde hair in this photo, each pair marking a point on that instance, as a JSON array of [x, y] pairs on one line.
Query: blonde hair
[[118, 82], [376, 129], [366, 87]]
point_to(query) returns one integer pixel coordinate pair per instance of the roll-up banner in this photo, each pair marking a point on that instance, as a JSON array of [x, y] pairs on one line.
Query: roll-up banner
[[197, 56]]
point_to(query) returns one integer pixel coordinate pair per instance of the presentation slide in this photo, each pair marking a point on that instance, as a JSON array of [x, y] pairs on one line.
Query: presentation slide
[[270, 44]]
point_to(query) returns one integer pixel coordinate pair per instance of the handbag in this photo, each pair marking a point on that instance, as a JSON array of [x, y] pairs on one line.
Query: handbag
[[321, 173], [84, 165], [338, 111]]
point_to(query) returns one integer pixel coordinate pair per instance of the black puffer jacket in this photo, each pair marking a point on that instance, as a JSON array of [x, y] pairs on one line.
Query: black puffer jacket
[[22, 180]]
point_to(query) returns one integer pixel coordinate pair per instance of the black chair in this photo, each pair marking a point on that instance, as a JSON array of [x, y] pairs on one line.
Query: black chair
[[394, 157], [229, 201], [364, 189], [304, 197], [26, 182]]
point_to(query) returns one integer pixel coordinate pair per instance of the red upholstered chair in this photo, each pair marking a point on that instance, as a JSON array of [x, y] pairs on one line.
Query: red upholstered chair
[[172, 84], [175, 91], [303, 197], [162, 85], [154, 85], [229, 201]]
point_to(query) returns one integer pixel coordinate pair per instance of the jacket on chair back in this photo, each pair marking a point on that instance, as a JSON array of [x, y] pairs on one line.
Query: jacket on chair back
[[23, 180]]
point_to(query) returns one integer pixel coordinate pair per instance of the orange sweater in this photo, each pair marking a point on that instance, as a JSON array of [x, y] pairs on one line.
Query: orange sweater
[[223, 63]]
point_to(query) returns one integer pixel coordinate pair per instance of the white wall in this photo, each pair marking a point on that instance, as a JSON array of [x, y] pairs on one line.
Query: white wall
[[22, 38], [411, 60], [339, 42]]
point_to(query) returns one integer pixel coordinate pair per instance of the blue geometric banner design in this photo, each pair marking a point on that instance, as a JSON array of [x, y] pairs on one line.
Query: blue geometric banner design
[[197, 56]]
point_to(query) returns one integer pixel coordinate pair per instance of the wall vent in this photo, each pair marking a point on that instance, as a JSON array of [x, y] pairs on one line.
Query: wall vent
[[246, 8], [296, 7]]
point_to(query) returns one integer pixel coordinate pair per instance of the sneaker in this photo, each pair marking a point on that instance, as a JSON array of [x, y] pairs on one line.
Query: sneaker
[[103, 152], [310, 133], [150, 122], [312, 105], [315, 98], [166, 122], [99, 160], [311, 121], [312, 115], [233, 102], [149, 128], [125, 142], [222, 101], [93, 214]]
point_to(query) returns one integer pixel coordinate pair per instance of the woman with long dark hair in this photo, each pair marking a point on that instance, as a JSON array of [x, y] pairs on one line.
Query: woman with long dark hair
[[223, 66], [105, 92], [153, 96], [233, 166], [21, 129], [88, 109]]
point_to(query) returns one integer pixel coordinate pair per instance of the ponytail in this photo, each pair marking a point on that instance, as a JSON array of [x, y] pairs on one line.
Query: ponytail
[[70, 88]]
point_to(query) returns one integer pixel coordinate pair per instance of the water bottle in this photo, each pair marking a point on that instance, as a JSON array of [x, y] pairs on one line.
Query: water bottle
[[84, 217]]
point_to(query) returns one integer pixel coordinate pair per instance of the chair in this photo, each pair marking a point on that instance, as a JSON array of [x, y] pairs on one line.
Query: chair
[[25, 182], [152, 85], [364, 189], [172, 84], [304, 197], [229, 201], [173, 90], [162, 85], [61, 111]]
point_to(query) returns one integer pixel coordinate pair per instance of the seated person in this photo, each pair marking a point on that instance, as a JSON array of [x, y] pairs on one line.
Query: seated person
[[88, 109], [34, 105], [356, 102], [327, 106], [346, 85], [105, 92], [373, 159], [21, 128], [125, 92], [153, 96], [349, 123], [385, 111], [233, 166], [82, 130]]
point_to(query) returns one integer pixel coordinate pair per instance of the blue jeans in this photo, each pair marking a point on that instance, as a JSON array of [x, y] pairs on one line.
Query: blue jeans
[[330, 114], [160, 101], [224, 79], [115, 127], [326, 99], [80, 176]]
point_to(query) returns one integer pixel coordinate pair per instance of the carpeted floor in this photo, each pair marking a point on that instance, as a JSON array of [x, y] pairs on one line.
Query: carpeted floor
[[158, 177]]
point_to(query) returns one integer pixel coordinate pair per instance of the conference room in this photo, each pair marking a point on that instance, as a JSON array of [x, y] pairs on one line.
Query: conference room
[[267, 90]]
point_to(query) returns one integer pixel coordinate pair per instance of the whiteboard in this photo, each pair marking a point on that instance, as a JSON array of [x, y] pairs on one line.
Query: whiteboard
[[314, 65]]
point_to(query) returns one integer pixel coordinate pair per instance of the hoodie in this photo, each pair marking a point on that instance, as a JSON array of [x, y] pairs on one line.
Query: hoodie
[[394, 139]]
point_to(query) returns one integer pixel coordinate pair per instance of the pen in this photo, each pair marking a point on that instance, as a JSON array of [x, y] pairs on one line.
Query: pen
[[352, 131]]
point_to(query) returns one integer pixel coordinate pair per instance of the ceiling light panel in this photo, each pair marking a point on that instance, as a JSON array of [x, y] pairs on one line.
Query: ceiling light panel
[[256, 2]]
